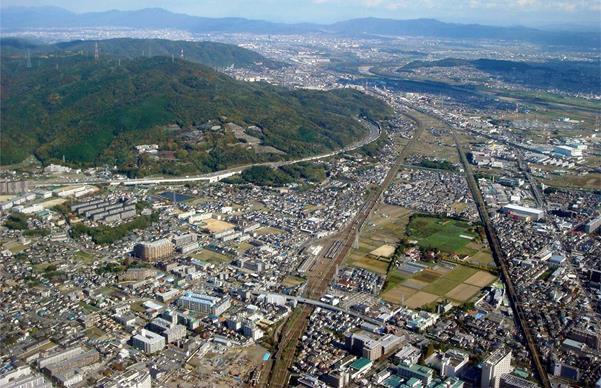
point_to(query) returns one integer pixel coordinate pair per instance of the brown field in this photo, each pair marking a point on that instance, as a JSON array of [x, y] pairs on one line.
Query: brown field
[[396, 294], [217, 226], [480, 279], [420, 299], [427, 276], [463, 292], [374, 265], [383, 251], [413, 283]]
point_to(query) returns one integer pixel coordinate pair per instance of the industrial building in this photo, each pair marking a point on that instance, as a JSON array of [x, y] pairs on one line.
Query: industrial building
[[523, 212], [204, 304], [132, 378]]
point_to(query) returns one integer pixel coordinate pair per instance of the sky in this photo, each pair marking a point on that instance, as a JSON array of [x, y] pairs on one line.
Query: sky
[[497, 12]]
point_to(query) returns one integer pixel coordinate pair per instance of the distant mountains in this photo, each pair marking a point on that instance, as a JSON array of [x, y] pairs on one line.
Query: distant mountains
[[94, 112], [17, 18], [572, 76], [216, 55]]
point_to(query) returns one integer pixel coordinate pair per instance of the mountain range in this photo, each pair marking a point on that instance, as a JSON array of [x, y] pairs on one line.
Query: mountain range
[[94, 112], [20, 18], [216, 55]]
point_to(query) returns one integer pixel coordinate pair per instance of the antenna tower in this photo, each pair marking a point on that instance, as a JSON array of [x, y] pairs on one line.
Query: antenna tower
[[96, 52], [28, 58], [181, 54]]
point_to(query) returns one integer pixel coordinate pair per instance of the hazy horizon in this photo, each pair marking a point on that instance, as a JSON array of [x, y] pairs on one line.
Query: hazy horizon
[[533, 13]]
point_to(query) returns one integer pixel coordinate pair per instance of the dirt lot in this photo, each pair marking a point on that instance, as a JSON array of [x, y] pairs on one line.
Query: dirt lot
[[217, 226]]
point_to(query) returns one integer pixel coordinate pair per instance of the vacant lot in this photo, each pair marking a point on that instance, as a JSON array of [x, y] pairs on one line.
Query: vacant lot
[[368, 263]]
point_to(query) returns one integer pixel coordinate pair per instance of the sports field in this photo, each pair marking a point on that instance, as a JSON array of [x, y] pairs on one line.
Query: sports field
[[449, 236]]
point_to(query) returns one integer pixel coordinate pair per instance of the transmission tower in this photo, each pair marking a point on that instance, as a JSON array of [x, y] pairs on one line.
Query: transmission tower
[[181, 54], [28, 58], [96, 52]]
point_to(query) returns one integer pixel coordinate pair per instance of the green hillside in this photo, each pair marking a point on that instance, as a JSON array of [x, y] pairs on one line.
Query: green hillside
[[212, 54], [95, 113]]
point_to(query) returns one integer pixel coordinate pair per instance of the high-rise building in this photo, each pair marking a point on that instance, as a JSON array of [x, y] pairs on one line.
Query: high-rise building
[[496, 364], [154, 250]]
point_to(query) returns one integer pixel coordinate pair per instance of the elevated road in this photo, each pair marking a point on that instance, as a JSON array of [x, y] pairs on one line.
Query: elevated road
[[373, 135]]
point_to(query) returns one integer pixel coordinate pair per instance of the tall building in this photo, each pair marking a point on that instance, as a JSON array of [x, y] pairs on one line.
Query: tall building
[[154, 250], [148, 341], [497, 364]]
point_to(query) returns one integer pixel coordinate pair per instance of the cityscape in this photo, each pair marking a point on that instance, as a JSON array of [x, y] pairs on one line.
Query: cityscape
[[224, 202]]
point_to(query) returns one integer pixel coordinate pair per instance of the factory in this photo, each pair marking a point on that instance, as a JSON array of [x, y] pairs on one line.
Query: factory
[[523, 212]]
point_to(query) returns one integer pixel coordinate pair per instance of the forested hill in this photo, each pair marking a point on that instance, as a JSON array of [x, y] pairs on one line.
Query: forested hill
[[218, 55], [94, 113]]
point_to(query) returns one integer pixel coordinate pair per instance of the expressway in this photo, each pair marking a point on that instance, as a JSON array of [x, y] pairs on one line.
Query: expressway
[[374, 134]]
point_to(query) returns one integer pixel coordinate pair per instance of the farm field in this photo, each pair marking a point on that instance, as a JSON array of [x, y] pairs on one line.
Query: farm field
[[457, 283], [385, 227]]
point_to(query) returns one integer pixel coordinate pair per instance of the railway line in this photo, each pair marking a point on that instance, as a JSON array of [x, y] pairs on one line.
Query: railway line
[[324, 271], [495, 247]]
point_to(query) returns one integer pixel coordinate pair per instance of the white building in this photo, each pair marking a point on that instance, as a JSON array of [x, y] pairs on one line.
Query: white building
[[524, 212], [497, 364], [203, 303], [148, 341]]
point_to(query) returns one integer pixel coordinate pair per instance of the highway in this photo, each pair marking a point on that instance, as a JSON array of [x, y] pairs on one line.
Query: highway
[[374, 134]]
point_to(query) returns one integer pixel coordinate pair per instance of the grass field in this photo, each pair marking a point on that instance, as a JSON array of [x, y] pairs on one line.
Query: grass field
[[449, 236], [291, 281], [211, 257]]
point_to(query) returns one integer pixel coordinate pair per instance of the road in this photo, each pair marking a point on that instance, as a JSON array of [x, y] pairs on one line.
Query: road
[[324, 270], [374, 134], [500, 260]]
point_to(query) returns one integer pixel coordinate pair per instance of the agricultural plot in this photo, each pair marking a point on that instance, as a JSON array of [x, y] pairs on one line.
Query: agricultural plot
[[384, 229], [457, 283]]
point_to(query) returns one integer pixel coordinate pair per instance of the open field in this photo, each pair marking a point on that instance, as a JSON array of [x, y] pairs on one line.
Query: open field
[[291, 281], [420, 299], [463, 292], [216, 226], [268, 230], [590, 181], [368, 263], [449, 236]]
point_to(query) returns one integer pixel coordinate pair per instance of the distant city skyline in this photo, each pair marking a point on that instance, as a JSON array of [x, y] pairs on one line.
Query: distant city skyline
[[537, 13]]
